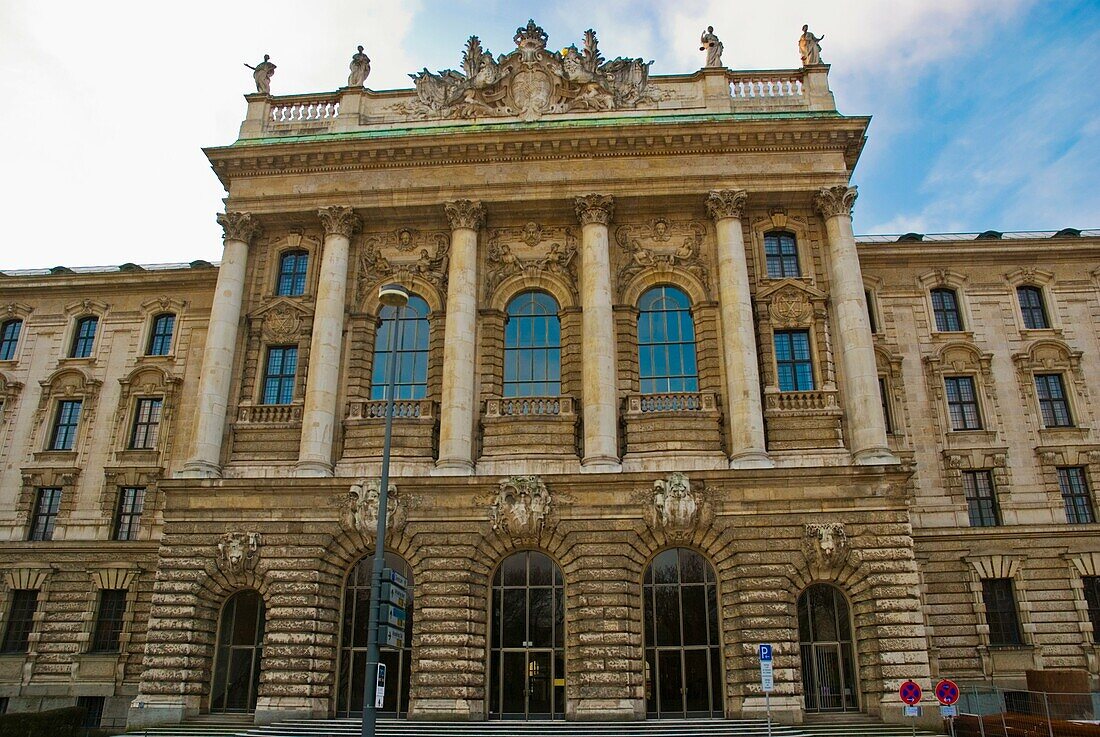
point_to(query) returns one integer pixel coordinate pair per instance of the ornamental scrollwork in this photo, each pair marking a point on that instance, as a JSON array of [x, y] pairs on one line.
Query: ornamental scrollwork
[[359, 509], [675, 509], [469, 214], [726, 203], [833, 201], [338, 220], [238, 226], [431, 263], [503, 262], [238, 552], [663, 246], [522, 509], [595, 209]]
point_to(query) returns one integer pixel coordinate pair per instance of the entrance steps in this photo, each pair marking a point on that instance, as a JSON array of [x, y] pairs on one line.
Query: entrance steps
[[233, 726]]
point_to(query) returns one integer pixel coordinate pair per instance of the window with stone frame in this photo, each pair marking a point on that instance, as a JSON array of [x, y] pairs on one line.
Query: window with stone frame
[[962, 403], [131, 504], [532, 346], [1053, 402], [1073, 483], [1000, 612], [293, 266], [1092, 601], [280, 370], [794, 367], [84, 337], [110, 616], [871, 321], [411, 381], [93, 711], [9, 338], [146, 428], [981, 499], [1032, 307], [781, 255], [160, 337], [21, 611], [945, 309], [47, 504], [666, 342], [884, 398], [65, 424]]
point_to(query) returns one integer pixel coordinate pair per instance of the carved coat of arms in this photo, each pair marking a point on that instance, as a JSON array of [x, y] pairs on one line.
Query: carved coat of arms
[[675, 509], [530, 81], [359, 509], [238, 552], [522, 508]]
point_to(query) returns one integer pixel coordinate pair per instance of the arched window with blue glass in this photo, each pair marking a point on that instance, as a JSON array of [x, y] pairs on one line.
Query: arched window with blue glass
[[292, 273], [666, 342], [532, 347], [411, 381]]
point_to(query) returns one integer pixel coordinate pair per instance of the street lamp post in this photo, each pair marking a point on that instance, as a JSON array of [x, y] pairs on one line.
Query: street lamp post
[[395, 296]]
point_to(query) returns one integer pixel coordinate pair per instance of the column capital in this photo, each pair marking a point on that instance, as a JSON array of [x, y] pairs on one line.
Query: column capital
[[833, 201], [595, 209], [726, 203], [469, 214], [238, 226], [339, 220]]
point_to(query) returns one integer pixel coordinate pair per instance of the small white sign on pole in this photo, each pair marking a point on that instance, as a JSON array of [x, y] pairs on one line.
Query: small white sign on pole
[[380, 687], [767, 679]]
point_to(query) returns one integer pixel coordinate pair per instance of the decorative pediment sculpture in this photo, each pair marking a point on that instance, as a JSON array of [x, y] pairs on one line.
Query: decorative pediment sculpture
[[792, 303], [281, 319], [826, 543], [359, 509], [238, 552], [530, 82], [429, 258], [664, 246], [557, 259], [675, 509], [522, 508]]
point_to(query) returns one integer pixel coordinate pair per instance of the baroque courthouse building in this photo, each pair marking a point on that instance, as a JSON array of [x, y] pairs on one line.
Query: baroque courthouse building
[[656, 406]]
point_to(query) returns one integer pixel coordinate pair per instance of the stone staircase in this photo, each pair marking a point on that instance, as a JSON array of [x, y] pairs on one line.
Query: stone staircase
[[238, 726]]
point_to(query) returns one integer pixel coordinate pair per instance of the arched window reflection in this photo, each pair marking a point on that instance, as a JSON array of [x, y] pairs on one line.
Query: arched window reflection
[[412, 369], [532, 347], [237, 665], [666, 342], [825, 641]]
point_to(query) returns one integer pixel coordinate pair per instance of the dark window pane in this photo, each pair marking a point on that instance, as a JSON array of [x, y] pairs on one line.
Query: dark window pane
[[962, 403], [109, 620], [65, 424], [1092, 600], [46, 506], [1000, 611], [794, 368], [281, 369], [24, 603], [160, 340], [84, 337], [667, 602], [945, 307], [981, 501], [9, 339], [666, 342], [781, 254], [1053, 403], [1032, 308], [532, 346], [1076, 495], [145, 432], [411, 377], [292, 273], [131, 503]]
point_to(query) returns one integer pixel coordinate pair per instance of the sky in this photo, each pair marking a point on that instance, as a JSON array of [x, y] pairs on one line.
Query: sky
[[986, 113]]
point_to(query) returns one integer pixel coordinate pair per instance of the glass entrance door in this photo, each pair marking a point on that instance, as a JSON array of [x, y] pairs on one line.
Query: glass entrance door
[[828, 665], [237, 666], [527, 660], [683, 670]]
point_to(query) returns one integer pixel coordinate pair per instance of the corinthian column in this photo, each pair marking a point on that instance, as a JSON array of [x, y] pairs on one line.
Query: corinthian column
[[738, 333], [601, 447], [221, 341], [326, 344], [866, 424], [456, 418]]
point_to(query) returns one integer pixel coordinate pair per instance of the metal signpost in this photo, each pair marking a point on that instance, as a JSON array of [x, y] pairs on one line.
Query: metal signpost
[[767, 681], [395, 296], [947, 692], [910, 693]]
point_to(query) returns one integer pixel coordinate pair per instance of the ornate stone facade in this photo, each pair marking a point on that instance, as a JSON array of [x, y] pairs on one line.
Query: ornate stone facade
[[737, 466]]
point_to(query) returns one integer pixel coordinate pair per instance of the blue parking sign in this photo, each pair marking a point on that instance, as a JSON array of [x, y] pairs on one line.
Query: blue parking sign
[[765, 652]]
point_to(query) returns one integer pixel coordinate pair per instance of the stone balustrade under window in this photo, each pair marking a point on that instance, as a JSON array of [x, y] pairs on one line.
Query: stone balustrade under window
[[803, 420], [684, 422], [415, 429], [270, 414], [529, 427], [266, 432]]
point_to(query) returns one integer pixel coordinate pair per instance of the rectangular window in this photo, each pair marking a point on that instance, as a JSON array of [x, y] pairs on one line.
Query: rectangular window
[[1092, 599], [108, 620], [160, 340], [93, 711], [793, 366], [870, 311], [65, 423], [84, 337], [781, 254], [1032, 308], [945, 306], [885, 405], [146, 428], [981, 499], [24, 603], [1000, 612], [131, 503], [962, 403], [1076, 495], [9, 338], [281, 367], [1053, 404], [292, 274], [46, 505]]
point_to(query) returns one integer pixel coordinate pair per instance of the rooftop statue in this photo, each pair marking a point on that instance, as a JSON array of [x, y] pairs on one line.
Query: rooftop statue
[[809, 47], [712, 46], [360, 69], [262, 73], [530, 82]]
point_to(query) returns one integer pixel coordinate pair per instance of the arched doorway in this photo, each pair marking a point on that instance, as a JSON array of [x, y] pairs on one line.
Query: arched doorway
[[353, 644], [683, 664], [239, 650], [828, 661], [527, 630]]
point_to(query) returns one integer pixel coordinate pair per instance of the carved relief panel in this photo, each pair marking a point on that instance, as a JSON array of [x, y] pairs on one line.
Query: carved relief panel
[[405, 255], [662, 245], [532, 250]]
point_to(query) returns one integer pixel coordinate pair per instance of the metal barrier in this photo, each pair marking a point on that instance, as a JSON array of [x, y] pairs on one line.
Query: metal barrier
[[991, 711]]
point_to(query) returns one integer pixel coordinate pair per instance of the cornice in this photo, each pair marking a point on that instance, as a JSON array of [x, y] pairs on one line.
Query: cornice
[[436, 147]]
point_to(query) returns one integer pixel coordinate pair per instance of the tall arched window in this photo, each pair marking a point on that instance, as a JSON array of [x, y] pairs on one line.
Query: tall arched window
[[240, 643], [666, 342], [532, 347], [292, 273], [412, 368], [826, 644]]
